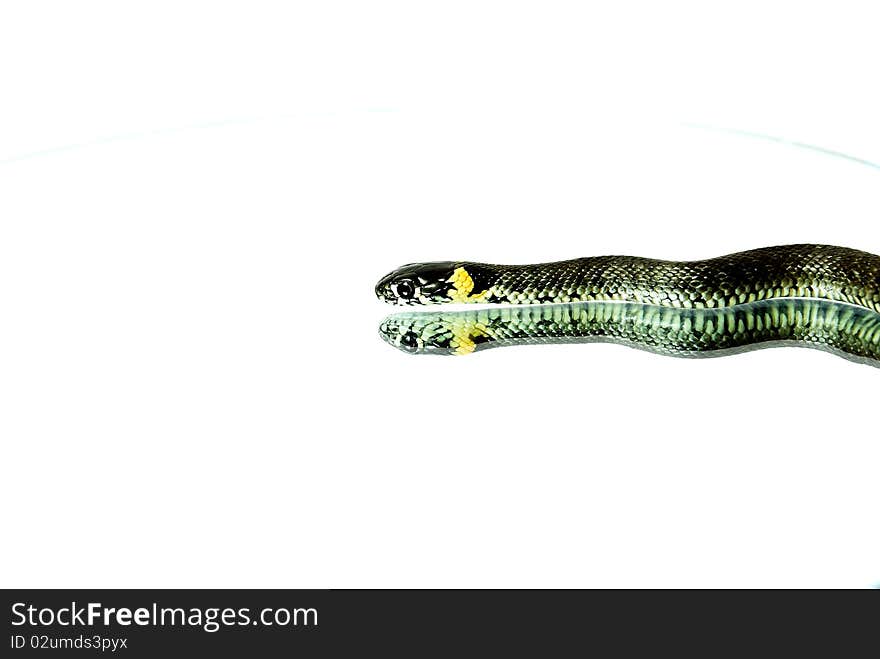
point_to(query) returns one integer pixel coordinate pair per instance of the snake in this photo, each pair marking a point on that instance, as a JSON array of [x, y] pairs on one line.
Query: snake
[[806, 295]]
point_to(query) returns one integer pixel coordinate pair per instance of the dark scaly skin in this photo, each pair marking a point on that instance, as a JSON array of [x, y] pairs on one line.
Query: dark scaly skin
[[844, 329], [802, 271]]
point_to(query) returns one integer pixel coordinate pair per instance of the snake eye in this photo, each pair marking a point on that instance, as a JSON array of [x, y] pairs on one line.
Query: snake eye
[[405, 289], [409, 342]]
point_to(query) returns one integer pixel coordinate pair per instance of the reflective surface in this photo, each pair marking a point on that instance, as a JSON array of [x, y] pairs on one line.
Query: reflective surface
[[844, 329]]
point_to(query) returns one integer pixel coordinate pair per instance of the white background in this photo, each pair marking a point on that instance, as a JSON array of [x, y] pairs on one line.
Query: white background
[[197, 199]]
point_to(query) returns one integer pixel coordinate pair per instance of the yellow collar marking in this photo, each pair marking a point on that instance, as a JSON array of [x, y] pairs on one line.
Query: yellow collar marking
[[463, 285], [463, 336]]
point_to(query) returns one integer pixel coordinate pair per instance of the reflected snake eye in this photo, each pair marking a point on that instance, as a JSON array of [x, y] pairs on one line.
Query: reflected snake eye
[[405, 289], [409, 342]]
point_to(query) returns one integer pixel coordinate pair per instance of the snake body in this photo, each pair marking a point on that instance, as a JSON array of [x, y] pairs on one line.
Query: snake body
[[811, 295]]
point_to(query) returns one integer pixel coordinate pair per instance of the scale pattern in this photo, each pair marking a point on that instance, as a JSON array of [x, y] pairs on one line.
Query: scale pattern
[[806, 271], [844, 329], [818, 296]]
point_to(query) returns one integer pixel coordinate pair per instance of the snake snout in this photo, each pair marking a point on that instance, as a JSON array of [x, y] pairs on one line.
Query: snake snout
[[391, 332], [417, 283], [396, 289], [383, 289]]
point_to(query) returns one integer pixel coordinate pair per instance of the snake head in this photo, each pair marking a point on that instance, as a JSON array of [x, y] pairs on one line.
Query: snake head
[[439, 282], [418, 283], [417, 333]]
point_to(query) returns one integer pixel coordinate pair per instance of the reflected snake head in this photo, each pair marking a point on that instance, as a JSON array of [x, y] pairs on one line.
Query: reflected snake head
[[418, 283], [418, 333]]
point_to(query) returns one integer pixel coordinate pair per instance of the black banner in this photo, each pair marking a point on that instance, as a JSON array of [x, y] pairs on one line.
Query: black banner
[[267, 623]]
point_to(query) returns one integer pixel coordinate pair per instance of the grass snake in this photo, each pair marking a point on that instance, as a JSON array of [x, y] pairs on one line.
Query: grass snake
[[817, 296]]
